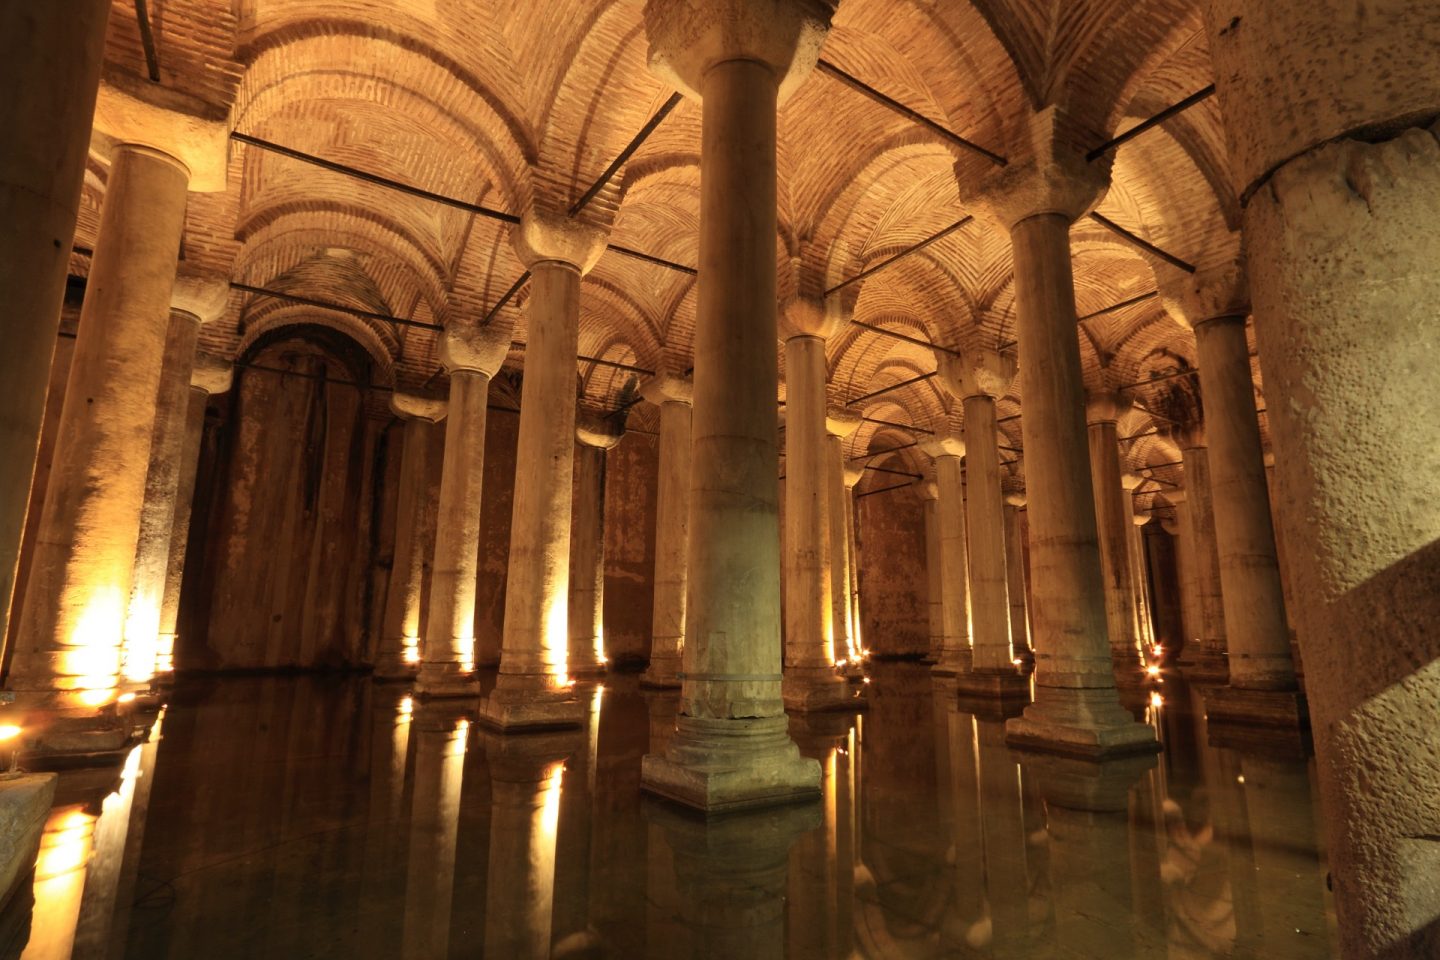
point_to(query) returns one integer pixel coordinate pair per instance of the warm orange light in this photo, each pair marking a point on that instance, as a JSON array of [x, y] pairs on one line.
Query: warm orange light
[[1156, 700], [125, 698], [866, 679], [96, 698], [407, 706], [9, 732], [1153, 670], [411, 653]]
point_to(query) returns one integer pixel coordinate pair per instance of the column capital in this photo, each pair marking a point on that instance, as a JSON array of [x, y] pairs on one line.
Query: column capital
[[1104, 406], [1217, 292], [810, 317], [976, 373], [942, 445], [1047, 174], [542, 236], [201, 295], [666, 388], [840, 422], [598, 430], [471, 347], [212, 374], [131, 111], [929, 489], [852, 476], [411, 406], [688, 37], [1186, 436], [1016, 498], [1131, 480], [1175, 495]]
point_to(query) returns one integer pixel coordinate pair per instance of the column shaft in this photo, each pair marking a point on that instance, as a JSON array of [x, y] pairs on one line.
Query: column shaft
[[1015, 575], [50, 71], [74, 608], [196, 400], [587, 564], [1205, 554], [399, 651], [934, 578], [448, 664], [157, 514], [672, 524], [955, 654], [1113, 526], [837, 507], [1257, 639], [989, 594]]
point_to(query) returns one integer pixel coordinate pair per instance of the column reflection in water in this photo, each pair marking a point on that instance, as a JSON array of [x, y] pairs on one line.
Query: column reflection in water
[[440, 735], [1008, 876], [574, 936], [966, 925], [526, 772], [821, 886], [731, 876], [383, 875]]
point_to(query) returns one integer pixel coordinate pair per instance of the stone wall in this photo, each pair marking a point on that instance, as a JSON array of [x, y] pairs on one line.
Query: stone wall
[[890, 539], [632, 475]]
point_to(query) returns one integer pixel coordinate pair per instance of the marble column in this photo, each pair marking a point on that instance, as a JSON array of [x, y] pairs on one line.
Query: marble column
[[194, 301], [68, 646], [934, 577], [398, 656], [1139, 570], [978, 378], [839, 510], [731, 747], [1342, 228], [534, 688], [209, 376], [1036, 199], [1113, 521], [672, 524], [955, 654], [1215, 301], [526, 774], [471, 355], [850, 476], [1203, 559], [813, 646], [594, 436], [50, 71], [1015, 577]]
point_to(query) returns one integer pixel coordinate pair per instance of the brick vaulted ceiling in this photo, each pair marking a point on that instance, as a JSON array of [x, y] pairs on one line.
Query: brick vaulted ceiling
[[508, 104]]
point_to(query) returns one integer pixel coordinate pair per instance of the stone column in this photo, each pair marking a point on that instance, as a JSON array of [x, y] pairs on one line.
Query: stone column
[[471, 355], [955, 654], [534, 688], [813, 644], [1139, 571], [1203, 560], [399, 654], [840, 424], [441, 737], [731, 747], [50, 71], [194, 301], [978, 378], [672, 524], [525, 777], [1215, 302], [1342, 227], [209, 375], [1113, 521], [850, 477], [935, 580], [1015, 577], [594, 436], [68, 648], [1036, 199]]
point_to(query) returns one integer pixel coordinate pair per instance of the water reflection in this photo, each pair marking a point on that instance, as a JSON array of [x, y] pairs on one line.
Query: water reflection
[[286, 817]]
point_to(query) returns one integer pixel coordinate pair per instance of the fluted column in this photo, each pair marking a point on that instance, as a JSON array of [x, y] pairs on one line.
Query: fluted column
[[672, 524], [1341, 215], [1036, 199], [398, 655], [68, 648], [1015, 576], [955, 654], [731, 745], [1203, 558], [934, 576], [593, 436], [209, 376], [471, 355], [194, 301], [978, 378], [534, 687], [839, 508], [1113, 523], [50, 70]]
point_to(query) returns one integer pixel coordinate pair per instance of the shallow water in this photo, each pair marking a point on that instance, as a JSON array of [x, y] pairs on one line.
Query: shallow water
[[303, 817]]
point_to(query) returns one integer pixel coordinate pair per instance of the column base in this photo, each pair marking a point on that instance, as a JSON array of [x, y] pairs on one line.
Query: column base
[[662, 673], [25, 802], [807, 689], [1267, 708], [67, 742], [442, 680], [394, 669], [715, 765], [1097, 786], [1086, 723], [952, 663], [588, 671], [993, 684], [521, 703]]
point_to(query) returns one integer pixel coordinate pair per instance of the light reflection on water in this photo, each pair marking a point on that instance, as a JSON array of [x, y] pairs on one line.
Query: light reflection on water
[[306, 817]]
